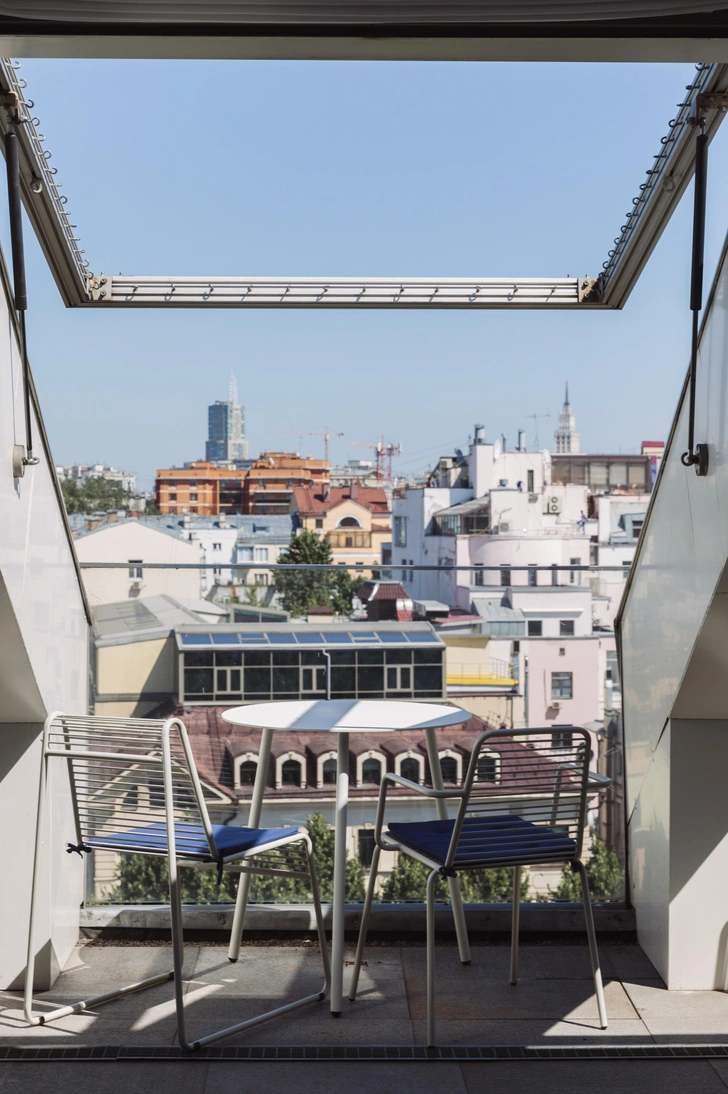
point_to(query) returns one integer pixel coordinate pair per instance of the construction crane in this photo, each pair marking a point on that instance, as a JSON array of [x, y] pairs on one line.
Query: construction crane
[[326, 433], [385, 453], [535, 426]]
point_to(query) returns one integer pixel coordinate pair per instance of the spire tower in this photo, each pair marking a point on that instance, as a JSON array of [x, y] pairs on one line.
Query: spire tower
[[566, 435]]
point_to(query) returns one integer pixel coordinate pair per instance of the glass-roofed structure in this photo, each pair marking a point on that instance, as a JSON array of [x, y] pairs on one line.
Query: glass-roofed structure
[[254, 662]]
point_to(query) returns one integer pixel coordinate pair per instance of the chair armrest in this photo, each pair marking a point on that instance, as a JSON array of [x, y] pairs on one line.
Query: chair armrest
[[599, 782], [426, 791], [423, 791]]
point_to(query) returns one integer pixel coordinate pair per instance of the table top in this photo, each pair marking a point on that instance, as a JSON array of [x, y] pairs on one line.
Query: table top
[[346, 715]]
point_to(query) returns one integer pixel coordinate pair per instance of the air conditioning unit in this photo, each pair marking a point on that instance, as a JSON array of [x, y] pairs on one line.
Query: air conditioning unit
[[504, 526], [553, 505], [556, 704]]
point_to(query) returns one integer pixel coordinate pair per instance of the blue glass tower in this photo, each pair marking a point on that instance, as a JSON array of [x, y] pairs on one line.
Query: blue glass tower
[[226, 428]]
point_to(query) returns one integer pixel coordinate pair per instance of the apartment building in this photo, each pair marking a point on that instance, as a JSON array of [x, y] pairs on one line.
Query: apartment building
[[202, 488], [357, 520]]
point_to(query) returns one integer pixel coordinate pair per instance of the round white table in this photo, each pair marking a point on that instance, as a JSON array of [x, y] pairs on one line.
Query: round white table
[[342, 717]]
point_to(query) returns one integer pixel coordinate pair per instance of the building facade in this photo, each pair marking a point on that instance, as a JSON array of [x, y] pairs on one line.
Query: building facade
[[357, 520], [202, 488]]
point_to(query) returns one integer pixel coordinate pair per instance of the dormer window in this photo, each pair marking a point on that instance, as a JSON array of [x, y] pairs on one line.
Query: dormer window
[[451, 766], [371, 772], [245, 769], [290, 770]]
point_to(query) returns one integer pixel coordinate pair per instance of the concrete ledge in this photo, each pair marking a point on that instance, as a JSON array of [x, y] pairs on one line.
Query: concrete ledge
[[537, 919]]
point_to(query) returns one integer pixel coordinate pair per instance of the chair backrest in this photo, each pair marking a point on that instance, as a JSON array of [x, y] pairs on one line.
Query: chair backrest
[[128, 773], [538, 775]]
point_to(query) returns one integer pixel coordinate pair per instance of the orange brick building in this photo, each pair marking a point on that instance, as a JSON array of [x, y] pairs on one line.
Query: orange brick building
[[267, 486]]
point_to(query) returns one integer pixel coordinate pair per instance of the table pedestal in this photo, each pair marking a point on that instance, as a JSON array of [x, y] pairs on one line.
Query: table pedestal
[[339, 908]]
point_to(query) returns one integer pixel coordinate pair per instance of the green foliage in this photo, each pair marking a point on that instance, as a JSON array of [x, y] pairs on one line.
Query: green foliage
[[408, 881], [604, 874], [146, 878], [300, 590], [93, 495]]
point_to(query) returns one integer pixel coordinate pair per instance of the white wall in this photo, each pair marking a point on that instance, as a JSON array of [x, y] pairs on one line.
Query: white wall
[[673, 586], [130, 539], [44, 667]]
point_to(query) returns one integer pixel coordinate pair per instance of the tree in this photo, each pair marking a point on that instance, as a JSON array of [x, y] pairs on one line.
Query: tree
[[300, 589], [604, 874], [142, 878], [93, 495], [408, 881]]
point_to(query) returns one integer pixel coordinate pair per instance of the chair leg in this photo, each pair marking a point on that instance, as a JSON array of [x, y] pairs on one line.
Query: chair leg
[[515, 923], [593, 951], [364, 923], [320, 930], [432, 879], [241, 903]]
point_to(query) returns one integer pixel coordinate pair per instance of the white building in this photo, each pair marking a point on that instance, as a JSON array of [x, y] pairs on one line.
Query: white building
[[136, 543], [79, 472]]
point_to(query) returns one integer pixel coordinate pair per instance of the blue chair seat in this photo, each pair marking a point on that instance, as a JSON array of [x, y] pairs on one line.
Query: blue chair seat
[[190, 839], [486, 841]]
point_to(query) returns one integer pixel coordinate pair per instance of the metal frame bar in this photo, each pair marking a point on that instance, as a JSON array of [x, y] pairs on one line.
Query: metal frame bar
[[175, 863], [44, 204], [338, 292], [667, 180]]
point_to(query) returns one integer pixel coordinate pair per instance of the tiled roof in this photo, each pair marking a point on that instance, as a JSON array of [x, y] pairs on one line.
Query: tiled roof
[[382, 590], [310, 502]]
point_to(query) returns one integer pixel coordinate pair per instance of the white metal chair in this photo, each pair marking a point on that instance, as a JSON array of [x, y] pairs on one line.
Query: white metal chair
[[135, 788], [522, 803]]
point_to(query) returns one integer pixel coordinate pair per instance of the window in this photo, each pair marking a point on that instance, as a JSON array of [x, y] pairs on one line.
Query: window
[[566, 627], [400, 531], [574, 574], [626, 567], [562, 651], [410, 769], [478, 574], [350, 522], [563, 739], [366, 846], [260, 554], [217, 546], [227, 680], [313, 678], [449, 769], [348, 541], [535, 628], [529, 480], [217, 572], [193, 497], [247, 772], [291, 773], [399, 678], [319, 523], [532, 574], [637, 527], [245, 554], [505, 575], [488, 768], [371, 771], [135, 568], [562, 685], [261, 579], [328, 772], [554, 575]]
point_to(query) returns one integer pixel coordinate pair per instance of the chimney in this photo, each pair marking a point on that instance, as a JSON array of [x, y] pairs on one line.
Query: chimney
[[326, 491], [479, 435], [521, 440], [222, 521], [354, 492], [185, 520]]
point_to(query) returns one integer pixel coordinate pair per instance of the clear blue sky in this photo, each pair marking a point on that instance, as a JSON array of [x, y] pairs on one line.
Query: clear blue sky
[[278, 168]]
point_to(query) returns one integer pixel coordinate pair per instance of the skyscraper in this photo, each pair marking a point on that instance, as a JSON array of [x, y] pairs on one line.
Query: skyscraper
[[226, 428], [566, 435]]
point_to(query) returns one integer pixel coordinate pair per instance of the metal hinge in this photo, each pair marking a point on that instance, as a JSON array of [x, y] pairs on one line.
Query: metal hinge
[[98, 288], [10, 100], [586, 286], [712, 100]]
